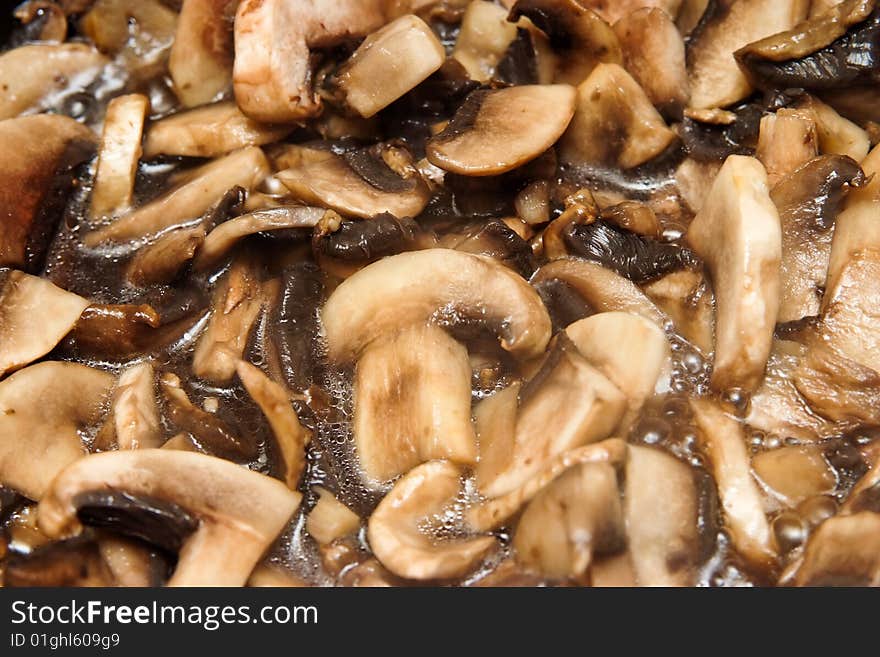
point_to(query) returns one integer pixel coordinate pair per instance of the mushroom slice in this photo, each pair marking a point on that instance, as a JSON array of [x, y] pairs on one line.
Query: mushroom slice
[[271, 576], [290, 435], [496, 131], [42, 409], [794, 474], [396, 536], [135, 413], [120, 331], [786, 141], [578, 36], [201, 58], [738, 235], [45, 20], [573, 519], [330, 519], [36, 149], [603, 289], [687, 299], [163, 259], [495, 423], [389, 63], [208, 132], [638, 369], [35, 315], [808, 201], [30, 75], [653, 53], [483, 39], [221, 240], [360, 184], [661, 507], [272, 74], [611, 101], [412, 288], [131, 563], [837, 135], [191, 199], [843, 551], [74, 563], [723, 441], [239, 513], [567, 404], [727, 26], [620, 9]]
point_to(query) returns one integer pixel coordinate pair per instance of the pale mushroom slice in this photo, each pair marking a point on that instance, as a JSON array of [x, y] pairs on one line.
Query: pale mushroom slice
[[272, 74], [398, 540], [202, 189], [616, 10], [794, 473], [631, 351], [495, 425], [360, 184], [611, 101], [290, 435], [722, 439], [495, 131], [330, 519], [200, 63], [737, 233], [389, 63], [35, 148], [119, 154], [483, 39], [227, 516], [35, 315], [412, 288], [412, 403], [661, 508], [575, 518], [837, 135], [135, 412], [687, 298], [786, 141], [30, 75], [567, 404], [42, 410], [209, 131], [716, 78]]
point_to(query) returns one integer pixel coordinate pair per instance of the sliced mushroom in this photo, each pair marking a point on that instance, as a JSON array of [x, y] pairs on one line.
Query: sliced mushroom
[[272, 74], [843, 551], [35, 315], [163, 259], [794, 474], [494, 239], [573, 519], [722, 440], [412, 288], [36, 149], [725, 27], [115, 331], [837, 135], [483, 39], [616, 10], [30, 75], [44, 20], [610, 101], [496, 131], [495, 425], [787, 141], [738, 235], [290, 435], [191, 199], [694, 179], [42, 409], [397, 539], [362, 184], [135, 412], [389, 63], [653, 53], [201, 58], [238, 513], [687, 299], [330, 519], [689, 15], [131, 562], [65, 563], [272, 576]]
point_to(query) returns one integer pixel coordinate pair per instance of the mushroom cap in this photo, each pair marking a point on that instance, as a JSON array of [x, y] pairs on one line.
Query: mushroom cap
[[496, 131], [418, 286]]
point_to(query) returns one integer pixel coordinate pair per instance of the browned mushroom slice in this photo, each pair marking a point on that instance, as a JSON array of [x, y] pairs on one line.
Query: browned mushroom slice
[[412, 401], [738, 235], [200, 63], [190, 200], [64, 563], [131, 562], [653, 53], [290, 435], [611, 101], [399, 542], [786, 141], [496, 131], [330, 519], [46, 18], [42, 409], [794, 474], [237, 513], [843, 551], [34, 317], [272, 74], [36, 148], [573, 519], [578, 36], [616, 10], [389, 63], [495, 424], [837, 135], [687, 299], [727, 26], [119, 154], [412, 288], [361, 184], [689, 15], [135, 414], [208, 132], [164, 258], [29, 75], [722, 440], [483, 40], [115, 331]]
